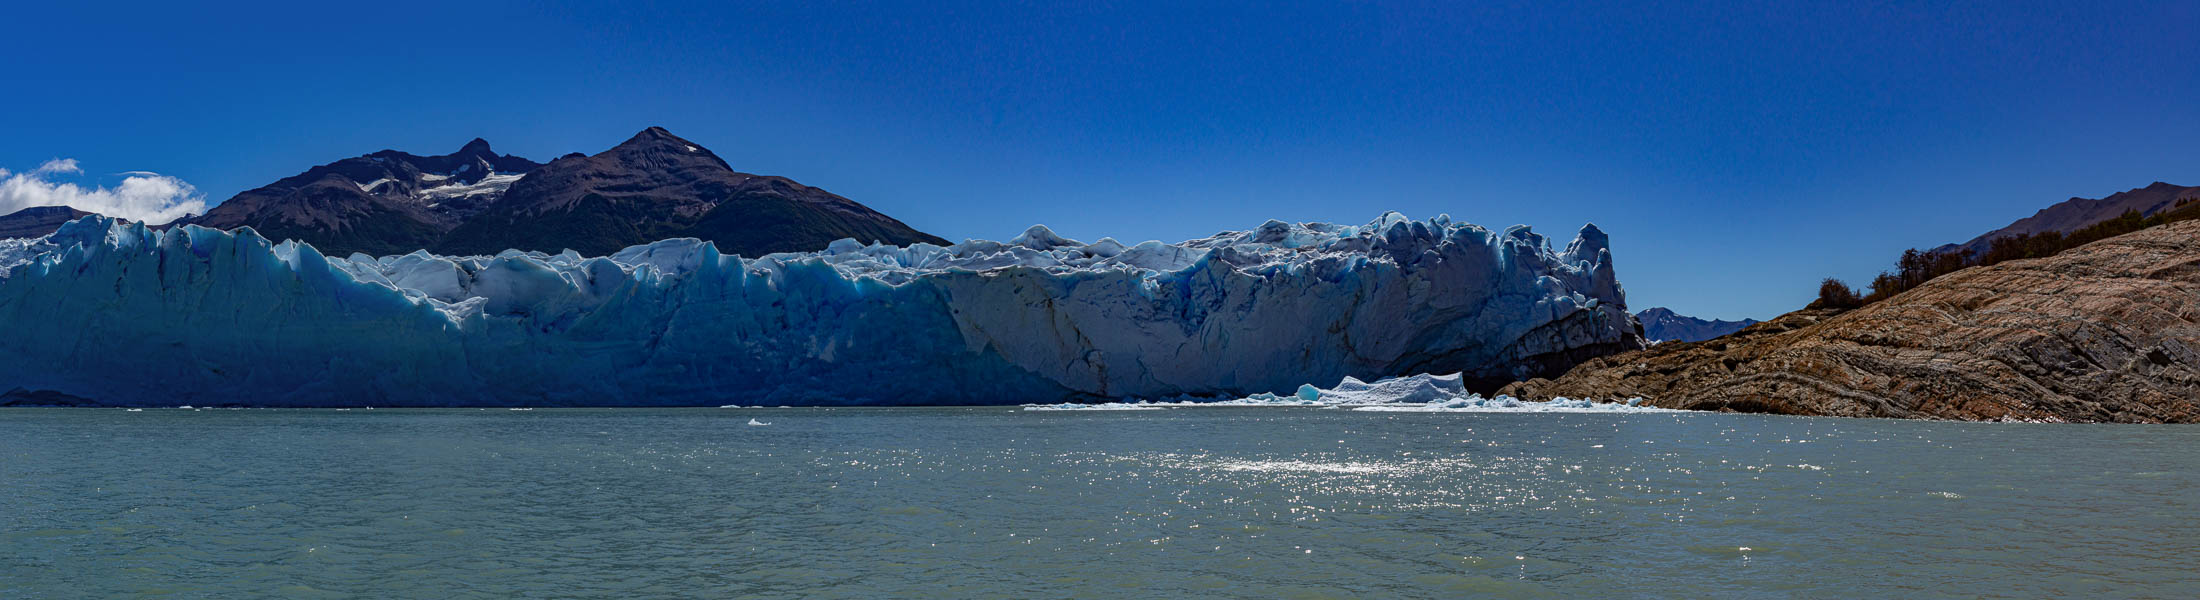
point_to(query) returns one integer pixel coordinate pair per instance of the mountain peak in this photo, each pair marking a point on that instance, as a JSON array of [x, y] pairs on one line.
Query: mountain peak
[[654, 136], [477, 147], [659, 148]]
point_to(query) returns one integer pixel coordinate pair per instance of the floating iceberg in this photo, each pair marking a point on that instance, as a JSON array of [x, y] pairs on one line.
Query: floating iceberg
[[121, 314], [1477, 403], [1417, 393], [1100, 406]]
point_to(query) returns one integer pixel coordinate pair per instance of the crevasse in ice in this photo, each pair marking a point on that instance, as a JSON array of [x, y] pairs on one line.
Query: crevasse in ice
[[121, 314]]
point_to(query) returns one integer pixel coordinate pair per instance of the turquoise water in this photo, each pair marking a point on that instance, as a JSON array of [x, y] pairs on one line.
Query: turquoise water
[[998, 502]]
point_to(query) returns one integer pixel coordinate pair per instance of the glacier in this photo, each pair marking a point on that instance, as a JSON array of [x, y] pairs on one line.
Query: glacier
[[115, 313]]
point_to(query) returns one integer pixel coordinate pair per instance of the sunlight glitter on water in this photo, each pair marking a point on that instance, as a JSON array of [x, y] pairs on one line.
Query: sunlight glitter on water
[[1307, 467]]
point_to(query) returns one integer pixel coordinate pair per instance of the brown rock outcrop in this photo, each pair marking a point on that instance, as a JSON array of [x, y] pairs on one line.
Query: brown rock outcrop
[[2106, 332]]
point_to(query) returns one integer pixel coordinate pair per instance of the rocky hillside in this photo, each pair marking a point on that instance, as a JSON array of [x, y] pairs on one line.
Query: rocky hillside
[[2106, 332], [1663, 325]]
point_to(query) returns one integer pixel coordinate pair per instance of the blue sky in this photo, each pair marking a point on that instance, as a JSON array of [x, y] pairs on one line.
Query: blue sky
[[1736, 152]]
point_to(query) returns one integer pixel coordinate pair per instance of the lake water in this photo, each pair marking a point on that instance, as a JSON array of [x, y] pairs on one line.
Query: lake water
[[999, 502]]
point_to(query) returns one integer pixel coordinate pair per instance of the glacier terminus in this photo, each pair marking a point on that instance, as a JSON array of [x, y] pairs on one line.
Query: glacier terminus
[[109, 312]]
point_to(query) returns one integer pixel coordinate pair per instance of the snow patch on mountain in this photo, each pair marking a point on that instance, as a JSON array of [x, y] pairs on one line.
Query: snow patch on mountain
[[493, 183]]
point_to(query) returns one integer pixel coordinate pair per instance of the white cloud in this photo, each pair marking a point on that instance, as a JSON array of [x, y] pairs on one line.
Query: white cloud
[[149, 197], [59, 165]]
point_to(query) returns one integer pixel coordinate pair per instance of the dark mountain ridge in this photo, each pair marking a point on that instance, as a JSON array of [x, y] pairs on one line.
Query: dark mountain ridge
[[474, 201], [657, 185], [2078, 213], [387, 202], [36, 221]]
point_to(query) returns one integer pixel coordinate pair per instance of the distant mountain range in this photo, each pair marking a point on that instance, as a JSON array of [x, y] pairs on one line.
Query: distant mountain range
[[474, 201], [2078, 213], [1664, 325]]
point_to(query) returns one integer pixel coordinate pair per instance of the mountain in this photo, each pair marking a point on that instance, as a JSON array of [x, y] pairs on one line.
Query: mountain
[[2077, 213], [1663, 325], [36, 221], [388, 202], [2105, 332], [656, 186], [474, 201]]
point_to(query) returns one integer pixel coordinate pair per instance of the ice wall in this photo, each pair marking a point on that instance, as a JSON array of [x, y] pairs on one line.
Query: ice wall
[[119, 314]]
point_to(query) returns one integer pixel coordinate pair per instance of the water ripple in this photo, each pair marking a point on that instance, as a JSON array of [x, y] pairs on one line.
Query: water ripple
[[1001, 502]]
